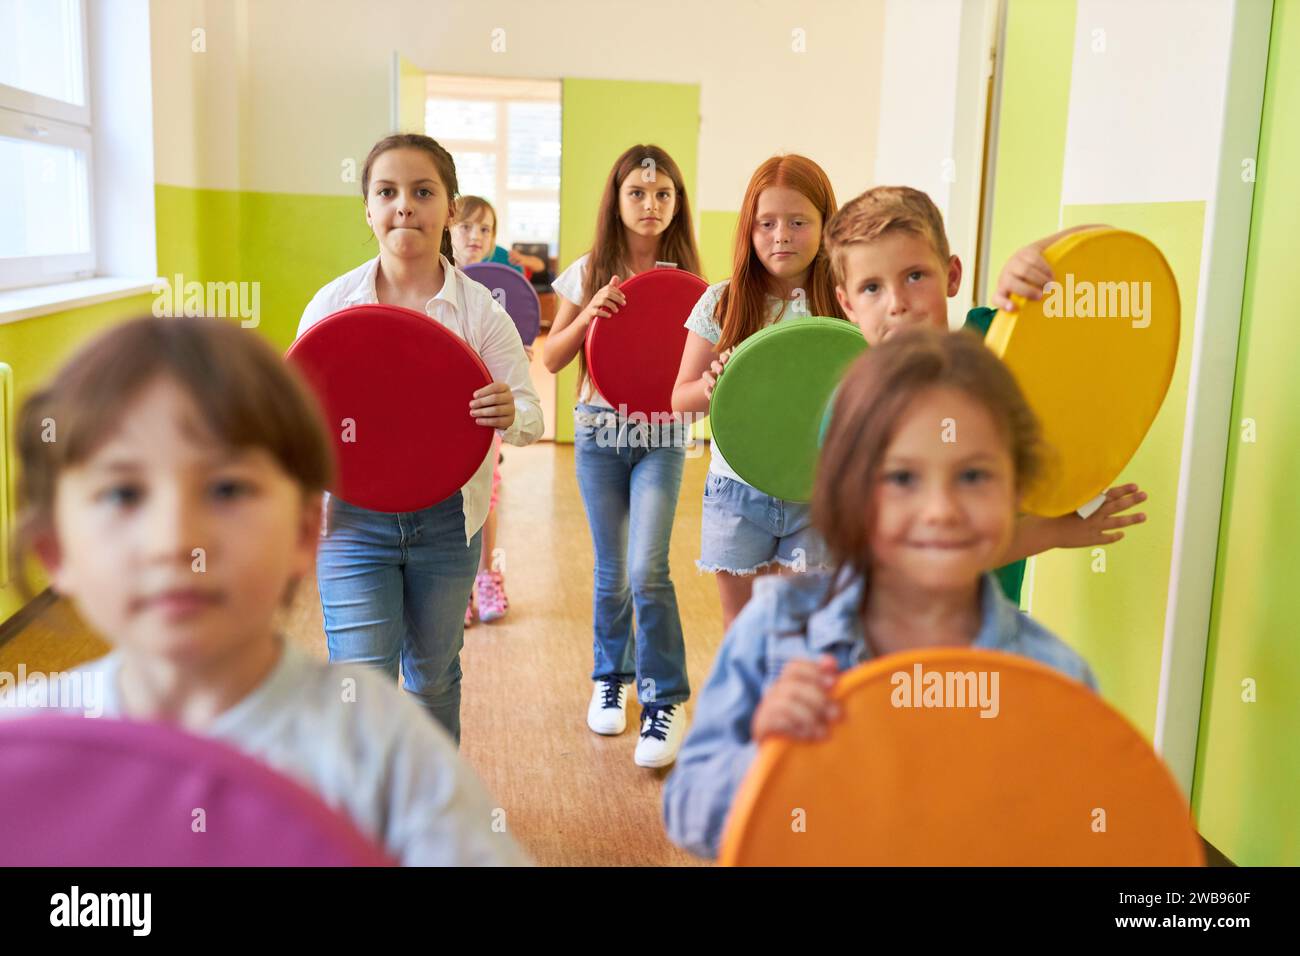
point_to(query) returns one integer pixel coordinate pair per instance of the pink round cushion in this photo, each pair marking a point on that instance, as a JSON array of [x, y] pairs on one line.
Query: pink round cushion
[[77, 791]]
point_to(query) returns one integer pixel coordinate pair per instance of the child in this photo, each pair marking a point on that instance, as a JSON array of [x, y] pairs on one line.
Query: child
[[472, 237], [629, 485], [780, 269], [912, 522], [177, 507], [393, 586], [893, 270]]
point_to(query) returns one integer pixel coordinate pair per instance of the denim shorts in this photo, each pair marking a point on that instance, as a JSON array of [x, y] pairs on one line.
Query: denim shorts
[[743, 531]]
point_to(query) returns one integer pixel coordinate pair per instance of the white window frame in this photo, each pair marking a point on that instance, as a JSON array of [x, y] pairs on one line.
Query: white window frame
[[500, 92], [32, 117]]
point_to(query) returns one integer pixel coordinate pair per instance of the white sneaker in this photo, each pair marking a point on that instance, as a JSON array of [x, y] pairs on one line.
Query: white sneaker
[[607, 713], [662, 729]]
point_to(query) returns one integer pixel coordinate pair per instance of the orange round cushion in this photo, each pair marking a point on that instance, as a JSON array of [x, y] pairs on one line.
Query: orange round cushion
[[922, 785]]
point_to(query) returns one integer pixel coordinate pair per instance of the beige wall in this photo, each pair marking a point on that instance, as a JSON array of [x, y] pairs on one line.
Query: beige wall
[[287, 90]]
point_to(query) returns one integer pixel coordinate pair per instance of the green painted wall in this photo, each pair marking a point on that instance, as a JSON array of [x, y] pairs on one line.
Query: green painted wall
[[1116, 619], [716, 230], [1032, 114], [600, 119], [291, 244], [1246, 793], [1248, 764], [34, 348]]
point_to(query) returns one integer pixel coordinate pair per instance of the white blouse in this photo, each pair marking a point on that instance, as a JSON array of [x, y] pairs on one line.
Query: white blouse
[[467, 309]]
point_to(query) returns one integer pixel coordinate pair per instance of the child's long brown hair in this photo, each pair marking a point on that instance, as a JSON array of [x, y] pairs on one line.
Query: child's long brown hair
[[608, 256], [742, 307], [442, 162], [873, 399], [248, 396]]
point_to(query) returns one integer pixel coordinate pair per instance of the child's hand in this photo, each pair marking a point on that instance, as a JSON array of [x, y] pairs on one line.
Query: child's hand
[[798, 705], [493, 406], [1072, 531], [711, 376], [1025, 274], [528, 262], [606, 301]]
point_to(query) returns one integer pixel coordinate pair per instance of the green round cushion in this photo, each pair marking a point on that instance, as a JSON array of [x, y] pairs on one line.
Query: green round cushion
[[767, 407]]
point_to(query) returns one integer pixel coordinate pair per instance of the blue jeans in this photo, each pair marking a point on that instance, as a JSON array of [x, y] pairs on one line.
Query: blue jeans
[[394, 587], [743, 530], [629, 489]]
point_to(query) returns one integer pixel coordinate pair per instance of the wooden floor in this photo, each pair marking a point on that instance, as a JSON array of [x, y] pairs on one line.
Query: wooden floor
[[571, 797]]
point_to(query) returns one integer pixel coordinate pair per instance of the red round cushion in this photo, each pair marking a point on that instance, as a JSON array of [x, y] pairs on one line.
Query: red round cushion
[[395, 387], [634, 354]]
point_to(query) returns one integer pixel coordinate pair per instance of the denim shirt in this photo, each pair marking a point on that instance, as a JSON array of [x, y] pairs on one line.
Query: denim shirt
[[784, 621]]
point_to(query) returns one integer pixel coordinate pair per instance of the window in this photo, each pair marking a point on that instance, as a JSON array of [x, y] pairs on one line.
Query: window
[[46, 234], [505, 137]]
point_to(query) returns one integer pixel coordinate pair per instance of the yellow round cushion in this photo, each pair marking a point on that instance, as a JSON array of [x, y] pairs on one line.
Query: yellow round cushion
[[1094, 358], [1033, 770]]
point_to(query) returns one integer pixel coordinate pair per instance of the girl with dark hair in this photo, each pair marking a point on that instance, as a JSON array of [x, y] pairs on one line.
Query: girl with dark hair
[[629, 488], [394, 586]]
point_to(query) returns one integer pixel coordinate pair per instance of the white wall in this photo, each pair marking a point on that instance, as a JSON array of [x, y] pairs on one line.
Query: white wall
[[932, 113], [918, 101], [1146, 100], [123, 160], [195, 94], [316, 83]]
